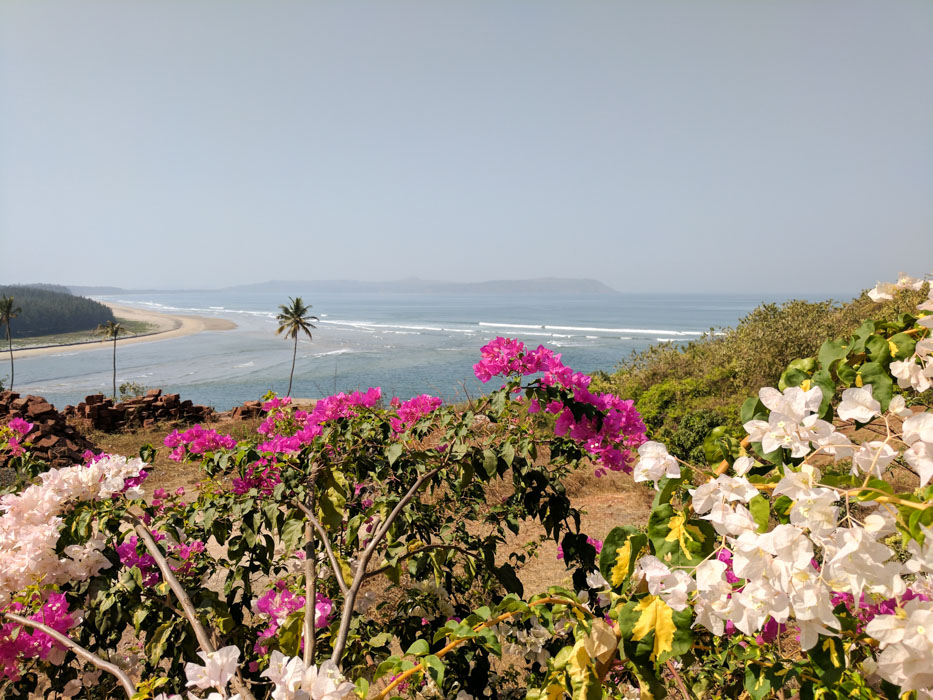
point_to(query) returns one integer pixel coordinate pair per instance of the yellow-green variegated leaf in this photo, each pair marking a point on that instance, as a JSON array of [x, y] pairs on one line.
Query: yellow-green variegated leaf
[[621, 549]]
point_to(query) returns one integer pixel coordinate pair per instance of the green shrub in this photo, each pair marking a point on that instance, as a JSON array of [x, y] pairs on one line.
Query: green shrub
[[669, 382]]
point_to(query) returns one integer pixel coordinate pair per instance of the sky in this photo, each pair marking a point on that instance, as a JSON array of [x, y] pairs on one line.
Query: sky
[[665, 145]]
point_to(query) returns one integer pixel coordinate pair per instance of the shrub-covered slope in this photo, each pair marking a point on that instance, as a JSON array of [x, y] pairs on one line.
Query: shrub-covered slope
[[682, 392], [46, 311]]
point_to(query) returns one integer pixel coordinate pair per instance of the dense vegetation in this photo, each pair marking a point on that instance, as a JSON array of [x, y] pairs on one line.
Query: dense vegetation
[[682, 392], [48, 309]]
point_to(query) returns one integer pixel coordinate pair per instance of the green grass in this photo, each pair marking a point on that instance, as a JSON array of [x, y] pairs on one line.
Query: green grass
[[131, 327]]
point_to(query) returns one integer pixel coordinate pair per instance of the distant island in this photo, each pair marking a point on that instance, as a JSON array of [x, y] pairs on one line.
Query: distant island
[[540, 285]]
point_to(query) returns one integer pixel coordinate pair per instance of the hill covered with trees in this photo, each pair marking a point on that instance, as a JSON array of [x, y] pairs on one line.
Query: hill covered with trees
[[50, 309]]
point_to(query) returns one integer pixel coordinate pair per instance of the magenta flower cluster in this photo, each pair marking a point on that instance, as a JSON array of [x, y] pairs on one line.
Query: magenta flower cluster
[[19, 429], [18, 644], [184, 553], [197, 441], [608, 439], [410, 411], [261, 475], [279, 602], [309, 424]]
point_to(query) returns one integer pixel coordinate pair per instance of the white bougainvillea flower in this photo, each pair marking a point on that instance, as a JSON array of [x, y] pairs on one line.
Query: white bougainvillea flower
[[918, 427], [655, 463], [830, 441], [921, 560], [858, 404], [705, 496], [881, 523], [743, 465], [712, 606], [815, 510], [873, 458], [794, 403], [917, 432], [755, 603], [906, 640], [882, 291], [731, 520], [796, 483], [219, 667], [750, 558], [855, 563], [909, 374], [295, 681], [920, 457], [898, 406], [779, 431]]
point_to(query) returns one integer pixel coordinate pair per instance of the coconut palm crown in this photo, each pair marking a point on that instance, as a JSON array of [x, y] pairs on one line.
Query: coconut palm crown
[[294, 319]]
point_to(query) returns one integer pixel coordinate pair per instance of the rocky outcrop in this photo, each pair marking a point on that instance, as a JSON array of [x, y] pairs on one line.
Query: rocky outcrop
[[248, 411], [101, 413], [53, 440]]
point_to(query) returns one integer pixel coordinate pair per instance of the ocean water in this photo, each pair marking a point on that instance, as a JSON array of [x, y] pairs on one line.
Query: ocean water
[[406, 343]]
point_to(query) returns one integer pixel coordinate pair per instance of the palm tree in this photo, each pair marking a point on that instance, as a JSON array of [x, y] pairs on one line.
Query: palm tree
[[111, 330], [294, 319], [7, 313]]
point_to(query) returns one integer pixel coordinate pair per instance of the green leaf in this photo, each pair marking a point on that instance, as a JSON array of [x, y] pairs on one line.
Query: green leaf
[[292, 532], [761, 511], [394, 452], [846, 373], [829, 659], [490, 462], [621, 549], [506, 576], [792, 377], [435, 669], [678, 541], [419, 647], [757, 682], [877, 348], [901, 346], [753, 409], [877, 375], [832, 351], [824, 380], [158, 642]]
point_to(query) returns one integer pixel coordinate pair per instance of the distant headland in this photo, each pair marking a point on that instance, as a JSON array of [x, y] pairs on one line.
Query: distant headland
[[412, 285]]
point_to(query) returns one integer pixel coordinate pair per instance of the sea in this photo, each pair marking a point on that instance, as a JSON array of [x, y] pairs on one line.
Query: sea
[[408, 344]]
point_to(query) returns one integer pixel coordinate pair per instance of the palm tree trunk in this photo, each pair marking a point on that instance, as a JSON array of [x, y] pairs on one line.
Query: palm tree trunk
[[114, 368], [10, 340], [290, 376]]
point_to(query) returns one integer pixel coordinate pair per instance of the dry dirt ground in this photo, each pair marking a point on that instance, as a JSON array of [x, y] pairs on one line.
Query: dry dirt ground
[[605, 501]]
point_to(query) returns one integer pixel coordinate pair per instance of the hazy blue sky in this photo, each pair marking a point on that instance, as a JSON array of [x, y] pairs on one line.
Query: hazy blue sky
[[694, 145]]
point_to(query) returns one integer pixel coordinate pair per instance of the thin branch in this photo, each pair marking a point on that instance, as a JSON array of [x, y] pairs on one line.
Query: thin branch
[[310, 595], [420, 550], [350, 598], [204, 640], [128, 686], [677, 679], [334, 564], [422, 667]]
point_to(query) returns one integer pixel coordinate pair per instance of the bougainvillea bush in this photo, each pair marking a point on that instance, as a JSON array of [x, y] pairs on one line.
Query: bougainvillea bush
[[355, 550], [309, 554]]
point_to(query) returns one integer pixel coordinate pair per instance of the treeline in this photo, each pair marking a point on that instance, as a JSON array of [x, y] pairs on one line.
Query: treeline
[[682, 392], [50, 309]]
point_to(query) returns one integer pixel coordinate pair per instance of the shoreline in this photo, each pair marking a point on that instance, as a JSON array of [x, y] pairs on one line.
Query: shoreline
[[167, 326]]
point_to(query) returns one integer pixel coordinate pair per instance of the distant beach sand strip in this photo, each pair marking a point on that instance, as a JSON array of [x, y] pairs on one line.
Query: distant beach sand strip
[[167, 326]]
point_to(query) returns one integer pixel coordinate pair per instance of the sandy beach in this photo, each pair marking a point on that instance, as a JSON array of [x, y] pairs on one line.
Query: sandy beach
[[167, 326]]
